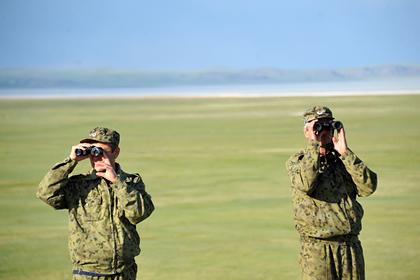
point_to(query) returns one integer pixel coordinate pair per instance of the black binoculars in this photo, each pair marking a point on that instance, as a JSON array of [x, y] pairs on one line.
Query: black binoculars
[[93, 151], [330, 126]]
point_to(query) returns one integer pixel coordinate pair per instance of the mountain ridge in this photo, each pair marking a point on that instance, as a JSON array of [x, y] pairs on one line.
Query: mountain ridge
[[121, 78]]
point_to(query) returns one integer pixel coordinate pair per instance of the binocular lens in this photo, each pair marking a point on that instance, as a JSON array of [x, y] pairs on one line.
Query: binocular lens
[[80, 152], [337, 125], [93, 151], [318, 126]]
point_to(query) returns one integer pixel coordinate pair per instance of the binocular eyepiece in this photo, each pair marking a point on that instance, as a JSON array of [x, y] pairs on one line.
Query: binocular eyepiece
[[330, 126], [93, 151]]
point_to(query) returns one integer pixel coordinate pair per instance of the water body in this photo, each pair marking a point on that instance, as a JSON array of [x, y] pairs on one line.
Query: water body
[[371, 87]]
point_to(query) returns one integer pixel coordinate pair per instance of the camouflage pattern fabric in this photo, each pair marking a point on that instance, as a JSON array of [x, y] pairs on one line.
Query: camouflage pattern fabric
[[324, 190], [332, 260], [103, 135], [317, 112], [102, 215], [129, 273]]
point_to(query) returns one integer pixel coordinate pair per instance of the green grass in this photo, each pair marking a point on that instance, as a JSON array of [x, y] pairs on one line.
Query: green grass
[[216, 171]]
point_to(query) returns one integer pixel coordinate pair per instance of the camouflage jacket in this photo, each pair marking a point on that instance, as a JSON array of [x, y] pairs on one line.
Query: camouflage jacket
[[102, 215], [325, 190]]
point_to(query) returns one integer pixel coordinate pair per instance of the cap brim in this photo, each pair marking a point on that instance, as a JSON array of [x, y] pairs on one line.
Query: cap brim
[[318, 118], [323, 117], [90, 140]]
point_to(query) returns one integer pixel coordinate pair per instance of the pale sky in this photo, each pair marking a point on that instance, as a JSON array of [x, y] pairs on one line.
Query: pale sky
[[208, 34]]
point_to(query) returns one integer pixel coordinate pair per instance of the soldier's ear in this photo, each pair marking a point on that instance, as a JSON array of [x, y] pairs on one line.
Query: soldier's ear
[[306, 130], [116, 152]]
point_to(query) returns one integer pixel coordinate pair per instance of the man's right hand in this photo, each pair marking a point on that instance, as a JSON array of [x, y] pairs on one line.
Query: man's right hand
[[82, 146]]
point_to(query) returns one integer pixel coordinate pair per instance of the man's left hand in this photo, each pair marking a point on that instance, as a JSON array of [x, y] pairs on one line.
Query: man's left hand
[[340, 143], [106, 170]]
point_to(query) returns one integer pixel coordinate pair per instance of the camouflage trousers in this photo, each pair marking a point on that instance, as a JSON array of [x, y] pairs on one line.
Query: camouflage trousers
[[338, 258], [128, 274]]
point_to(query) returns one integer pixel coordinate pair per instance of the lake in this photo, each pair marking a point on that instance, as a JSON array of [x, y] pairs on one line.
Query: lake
[[365, 87]]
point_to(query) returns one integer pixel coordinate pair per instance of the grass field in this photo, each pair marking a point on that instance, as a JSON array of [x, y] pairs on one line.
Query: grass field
[[216, 171]]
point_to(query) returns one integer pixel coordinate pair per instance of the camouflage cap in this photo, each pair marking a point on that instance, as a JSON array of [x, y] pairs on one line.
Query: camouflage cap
[[317, 112], [103, 135]]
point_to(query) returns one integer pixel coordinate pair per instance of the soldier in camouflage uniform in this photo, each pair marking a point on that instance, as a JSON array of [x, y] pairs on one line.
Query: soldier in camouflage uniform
[[326, 178], [104, 207]]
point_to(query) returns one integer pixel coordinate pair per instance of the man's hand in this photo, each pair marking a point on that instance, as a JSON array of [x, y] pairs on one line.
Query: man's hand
[[340, 143], [82, 146], [105, 170]]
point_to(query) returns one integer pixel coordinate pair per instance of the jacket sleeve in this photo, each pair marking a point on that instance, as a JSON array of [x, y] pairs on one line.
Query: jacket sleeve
[[134, 202], [364, 178], [303, 168], [52, 189]]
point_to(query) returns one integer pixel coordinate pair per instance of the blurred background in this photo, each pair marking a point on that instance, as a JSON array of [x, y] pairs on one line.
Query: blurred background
[[158, 47], [208, 98]]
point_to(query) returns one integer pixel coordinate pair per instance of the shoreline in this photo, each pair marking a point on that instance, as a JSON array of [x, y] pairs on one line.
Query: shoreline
[[356, 88]]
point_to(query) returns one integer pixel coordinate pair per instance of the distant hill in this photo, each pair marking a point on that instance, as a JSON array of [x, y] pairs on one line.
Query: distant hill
[[102, 78]]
